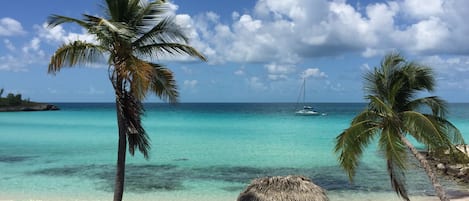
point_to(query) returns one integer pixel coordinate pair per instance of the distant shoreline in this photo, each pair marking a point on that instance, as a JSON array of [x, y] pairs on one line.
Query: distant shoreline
[[29, 107]]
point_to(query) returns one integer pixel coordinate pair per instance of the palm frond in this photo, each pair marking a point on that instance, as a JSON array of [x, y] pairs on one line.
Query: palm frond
[[103, 25], [379, 106], [351, 143], [424, 129], [132, 110], [116, 9], [163, 83], [149, 15], [140, 77], [55, 20], [169, 48], [449, 130], [392, 146], [366, 115], [77, 52], [166, 31], [419, 77], [436, 104], [397, 176], [391, 61]]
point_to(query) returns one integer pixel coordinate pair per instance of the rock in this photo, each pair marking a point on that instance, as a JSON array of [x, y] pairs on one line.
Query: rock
[[29, 107], [464, 171], [440, 166], [454, 169]]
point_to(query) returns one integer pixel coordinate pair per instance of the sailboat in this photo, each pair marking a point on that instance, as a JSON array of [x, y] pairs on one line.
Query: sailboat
[[307, 110]]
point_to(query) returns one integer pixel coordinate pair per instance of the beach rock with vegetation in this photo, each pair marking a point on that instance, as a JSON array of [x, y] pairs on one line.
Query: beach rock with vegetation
[[454, 168], [14, 103]]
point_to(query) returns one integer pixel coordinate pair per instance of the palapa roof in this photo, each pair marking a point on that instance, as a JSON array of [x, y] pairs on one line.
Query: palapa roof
[[283, 188]]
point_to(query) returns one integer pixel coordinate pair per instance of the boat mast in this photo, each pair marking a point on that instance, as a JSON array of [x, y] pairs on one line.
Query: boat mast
[[304, 91]]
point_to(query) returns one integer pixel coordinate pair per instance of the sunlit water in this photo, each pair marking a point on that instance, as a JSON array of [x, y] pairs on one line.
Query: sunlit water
[[199, 152]]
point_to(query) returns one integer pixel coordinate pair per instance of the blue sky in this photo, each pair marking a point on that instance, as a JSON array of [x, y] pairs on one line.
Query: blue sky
[[257, 49]]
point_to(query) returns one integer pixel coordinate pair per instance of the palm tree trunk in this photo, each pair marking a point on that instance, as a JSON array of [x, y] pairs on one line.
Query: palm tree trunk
[[121, 153], [440, 192]]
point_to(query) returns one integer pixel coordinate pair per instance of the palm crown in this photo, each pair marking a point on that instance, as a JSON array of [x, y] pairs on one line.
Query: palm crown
[[394, 112], [130, 32]]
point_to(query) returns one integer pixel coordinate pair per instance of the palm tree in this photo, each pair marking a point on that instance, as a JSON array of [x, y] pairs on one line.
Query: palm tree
[[131, 33], [392, 115]]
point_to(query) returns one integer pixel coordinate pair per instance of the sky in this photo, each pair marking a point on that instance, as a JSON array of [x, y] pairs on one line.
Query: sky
[[257, 50]]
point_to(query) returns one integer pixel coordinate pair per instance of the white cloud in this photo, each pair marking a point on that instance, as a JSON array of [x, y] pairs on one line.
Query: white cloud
[[30, 55], [274, 68], [239, 72], [11, 63], [279, 72], [452, 72], [9, 45], [190, 83], [277, 77], [314, 73], [423, 8], [186, 70], [10, 27], [256, 84], [33, 45], [58, 34], [450, 65], [290, 31]]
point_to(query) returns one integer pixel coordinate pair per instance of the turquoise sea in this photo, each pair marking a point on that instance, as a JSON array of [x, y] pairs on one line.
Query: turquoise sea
[[200, 152]]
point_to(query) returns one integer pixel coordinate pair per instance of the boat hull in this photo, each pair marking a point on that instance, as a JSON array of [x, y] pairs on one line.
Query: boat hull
[[307, 113]]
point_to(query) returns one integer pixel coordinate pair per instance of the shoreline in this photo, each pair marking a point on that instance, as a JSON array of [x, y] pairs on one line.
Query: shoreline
[[29, 107], [340, 196]]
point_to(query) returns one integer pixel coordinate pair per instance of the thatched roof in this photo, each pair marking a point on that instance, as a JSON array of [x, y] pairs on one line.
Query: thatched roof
[[279, 188]]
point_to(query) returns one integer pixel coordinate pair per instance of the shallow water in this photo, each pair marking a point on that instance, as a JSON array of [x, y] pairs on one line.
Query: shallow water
[[199, 152]]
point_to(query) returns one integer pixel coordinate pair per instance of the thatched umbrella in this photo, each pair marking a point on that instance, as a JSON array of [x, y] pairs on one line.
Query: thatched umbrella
[[287, 188]]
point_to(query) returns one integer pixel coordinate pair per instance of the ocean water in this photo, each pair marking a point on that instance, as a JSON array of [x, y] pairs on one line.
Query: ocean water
[[200, 152]]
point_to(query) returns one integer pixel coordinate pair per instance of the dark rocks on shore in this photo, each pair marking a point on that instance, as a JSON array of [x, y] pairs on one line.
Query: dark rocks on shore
[[448, 168], [29, 107]]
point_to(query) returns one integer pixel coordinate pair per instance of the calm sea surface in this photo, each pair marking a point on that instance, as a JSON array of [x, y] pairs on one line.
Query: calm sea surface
[[199, 152]]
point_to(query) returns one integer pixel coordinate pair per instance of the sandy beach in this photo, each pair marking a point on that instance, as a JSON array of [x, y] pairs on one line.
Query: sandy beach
[[343, 196]]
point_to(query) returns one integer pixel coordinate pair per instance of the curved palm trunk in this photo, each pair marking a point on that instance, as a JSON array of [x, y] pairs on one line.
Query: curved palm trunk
[[440, 192], [121, 154]]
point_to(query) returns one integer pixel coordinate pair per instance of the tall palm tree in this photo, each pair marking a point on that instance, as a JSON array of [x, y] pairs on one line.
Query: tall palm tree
[[393, 114], [131, 33]]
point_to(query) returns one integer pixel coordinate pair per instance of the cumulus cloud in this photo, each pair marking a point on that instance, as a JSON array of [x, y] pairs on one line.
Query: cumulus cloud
[[11, 63], [452, 71], [415, 9], [449, 65], [58, 34], [279, 72], [10, 27], [290, 31], [314, 73], [20, 61]]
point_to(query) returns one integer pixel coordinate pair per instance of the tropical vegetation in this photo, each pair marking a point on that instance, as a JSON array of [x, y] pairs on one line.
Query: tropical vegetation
[[132, 34], [12, 99], [394, 117]]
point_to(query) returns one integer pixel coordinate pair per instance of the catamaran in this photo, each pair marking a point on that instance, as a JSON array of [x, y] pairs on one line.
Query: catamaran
[[307, 110]]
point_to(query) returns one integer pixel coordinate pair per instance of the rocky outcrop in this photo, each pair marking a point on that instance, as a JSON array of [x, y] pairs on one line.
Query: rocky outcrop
[[452, 170], [29, 107]]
